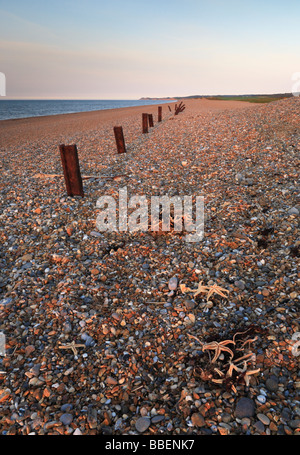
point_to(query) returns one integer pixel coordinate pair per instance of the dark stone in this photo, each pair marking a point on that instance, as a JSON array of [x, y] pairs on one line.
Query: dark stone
[[157, 419], [286, 414], [272, 383], [106, 430], [245, 408]]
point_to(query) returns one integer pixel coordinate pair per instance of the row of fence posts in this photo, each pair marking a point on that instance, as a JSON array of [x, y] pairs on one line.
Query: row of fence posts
[[69, 153]]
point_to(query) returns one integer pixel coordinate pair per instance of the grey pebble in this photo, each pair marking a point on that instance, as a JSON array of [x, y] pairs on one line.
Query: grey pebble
[[293, 211], [173, 283], [259, 426], [66, 418], [142, 424]]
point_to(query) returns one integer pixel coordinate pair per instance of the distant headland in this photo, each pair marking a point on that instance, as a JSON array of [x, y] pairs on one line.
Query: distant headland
[[253, 98]]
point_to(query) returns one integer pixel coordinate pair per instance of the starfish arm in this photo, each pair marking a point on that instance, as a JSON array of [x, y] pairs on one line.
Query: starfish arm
[[217, 381], [195, 338], [253, 371], [220, 373], [224, 348], [225, 342], [216, 356]]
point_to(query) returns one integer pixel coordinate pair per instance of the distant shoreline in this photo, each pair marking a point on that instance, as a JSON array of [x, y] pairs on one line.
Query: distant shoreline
[[252, 98]]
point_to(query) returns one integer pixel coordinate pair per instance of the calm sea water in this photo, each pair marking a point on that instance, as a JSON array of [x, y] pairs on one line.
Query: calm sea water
[[12, 109]]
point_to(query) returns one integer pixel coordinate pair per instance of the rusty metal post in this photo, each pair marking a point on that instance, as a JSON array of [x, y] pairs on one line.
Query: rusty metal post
[[145, 123], [159, 113], [150, 118], [119, 136], [170, 109], [70, 163]]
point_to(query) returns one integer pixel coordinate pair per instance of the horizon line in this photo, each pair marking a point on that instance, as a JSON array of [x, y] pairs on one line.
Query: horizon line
[[141, 98]]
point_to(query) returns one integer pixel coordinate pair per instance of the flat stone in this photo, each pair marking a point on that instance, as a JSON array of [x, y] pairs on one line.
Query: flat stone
[[111, 381], [157, 419], [173, 283], [189, 304], [95, 234], [116, 316], [259, 426], [245, 408], [29, 349], [142, 424], [197, 420], [293, 211], [272, 383], [66, 418], [240, 284], [294, 423], [264, 419]]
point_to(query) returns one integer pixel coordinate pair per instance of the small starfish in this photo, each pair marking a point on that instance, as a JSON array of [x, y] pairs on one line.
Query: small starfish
[[218, 348], [72, 346], [236, 368], [184, 289], [215, 289], [200, 289]]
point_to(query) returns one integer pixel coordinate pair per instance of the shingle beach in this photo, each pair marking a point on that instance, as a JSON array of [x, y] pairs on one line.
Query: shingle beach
[[106, 333]]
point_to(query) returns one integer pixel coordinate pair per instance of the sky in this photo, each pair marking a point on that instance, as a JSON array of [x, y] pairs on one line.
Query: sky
[[128, 49]]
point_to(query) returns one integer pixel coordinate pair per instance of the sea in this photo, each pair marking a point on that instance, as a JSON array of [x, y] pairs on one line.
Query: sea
[[14, 109]]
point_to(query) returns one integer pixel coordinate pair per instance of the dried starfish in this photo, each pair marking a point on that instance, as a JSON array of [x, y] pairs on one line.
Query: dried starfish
[[184, 289], [215, 289], [200, 289], [218, 348], [250, 340], [232, 367], [72, 346], [249, 373]]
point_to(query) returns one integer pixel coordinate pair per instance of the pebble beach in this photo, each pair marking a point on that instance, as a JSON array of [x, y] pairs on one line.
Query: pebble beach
[[131, 333]]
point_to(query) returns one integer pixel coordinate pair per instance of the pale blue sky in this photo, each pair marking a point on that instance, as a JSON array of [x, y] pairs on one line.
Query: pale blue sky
[[128, 49]]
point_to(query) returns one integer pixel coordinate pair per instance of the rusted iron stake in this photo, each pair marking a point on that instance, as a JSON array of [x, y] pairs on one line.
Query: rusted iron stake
[[150, 118], [179, 108], [119, 136], [170, 109], [70, 163], [145, 123], [159, 113]]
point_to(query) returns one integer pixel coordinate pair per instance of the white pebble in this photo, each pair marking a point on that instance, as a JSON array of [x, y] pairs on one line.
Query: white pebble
[[261, 398]]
